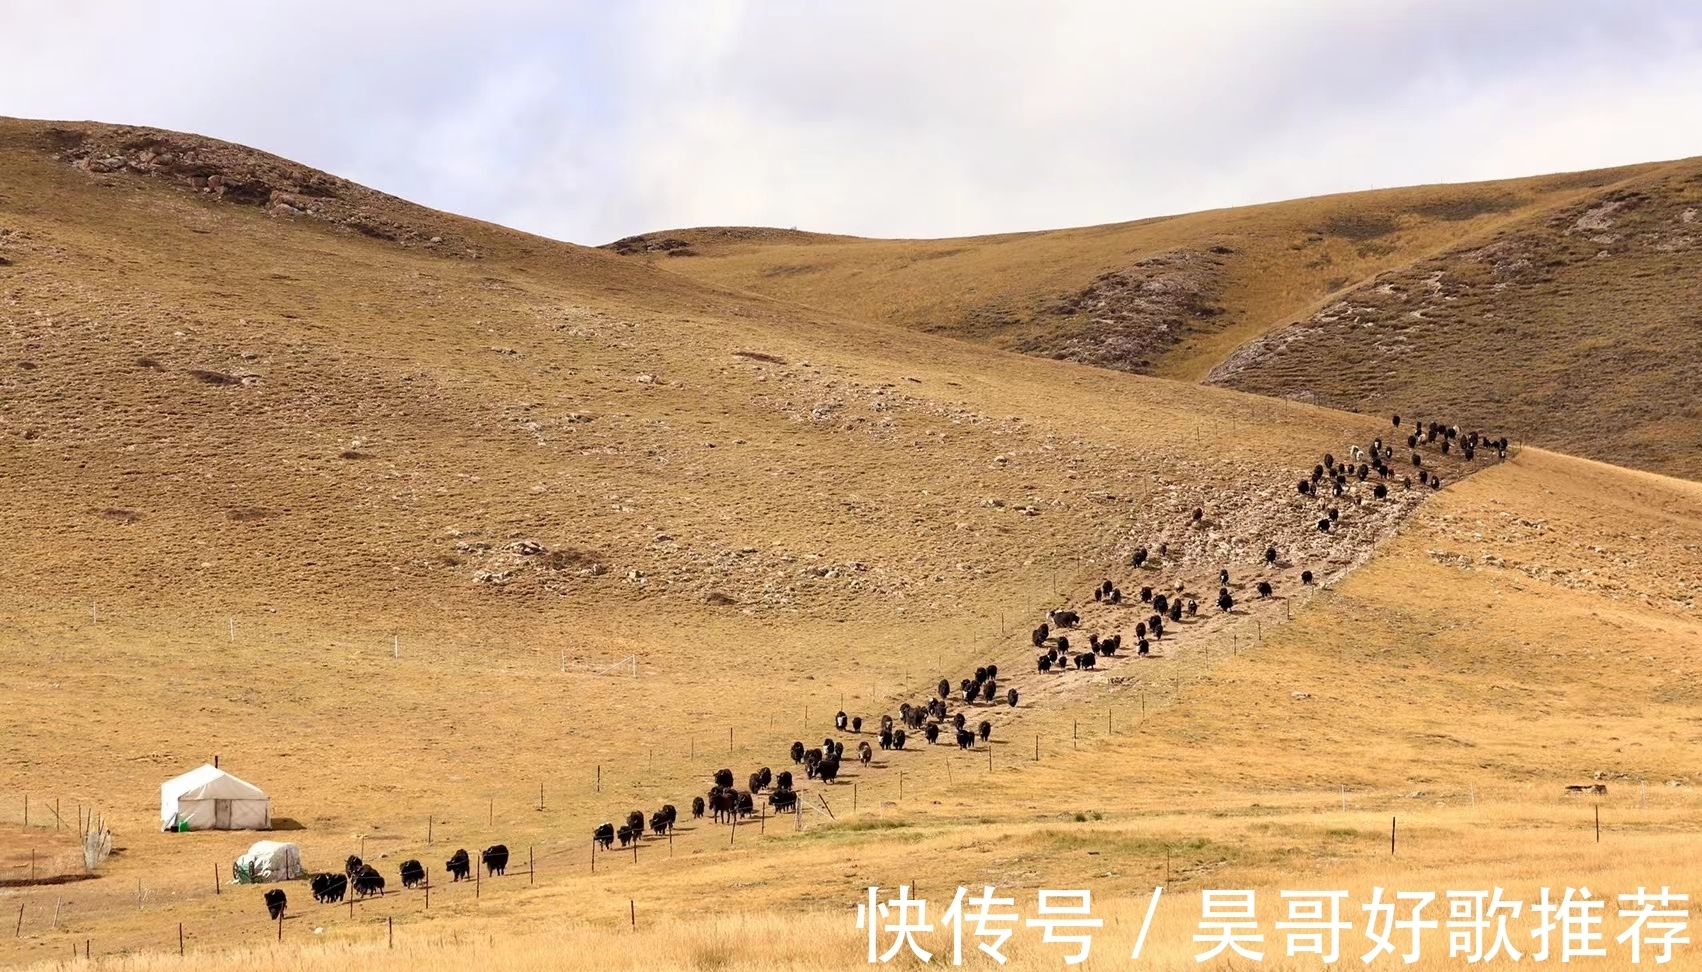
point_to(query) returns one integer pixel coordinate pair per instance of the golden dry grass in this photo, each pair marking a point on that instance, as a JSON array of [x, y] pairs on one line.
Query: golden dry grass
[[208, 568]]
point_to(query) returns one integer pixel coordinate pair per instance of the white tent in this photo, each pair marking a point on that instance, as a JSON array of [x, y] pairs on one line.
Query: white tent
[[269, 860], [211, 799]]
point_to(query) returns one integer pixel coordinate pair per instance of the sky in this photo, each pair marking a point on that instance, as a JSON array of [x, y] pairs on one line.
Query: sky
[[592, 121]]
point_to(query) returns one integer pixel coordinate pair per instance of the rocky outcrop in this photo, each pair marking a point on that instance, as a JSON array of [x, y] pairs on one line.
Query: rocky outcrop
[[236, 174], [1126, 319]]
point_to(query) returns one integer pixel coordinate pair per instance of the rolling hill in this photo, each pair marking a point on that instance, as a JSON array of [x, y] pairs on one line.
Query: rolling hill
[[1378, 301], [449, 535]]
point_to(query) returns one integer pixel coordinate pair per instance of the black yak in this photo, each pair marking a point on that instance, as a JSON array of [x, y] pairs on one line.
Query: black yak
[[413, 874], [367, 881], [275, 902], [458, 866], [605, 834], [329, 888], [496, 856]]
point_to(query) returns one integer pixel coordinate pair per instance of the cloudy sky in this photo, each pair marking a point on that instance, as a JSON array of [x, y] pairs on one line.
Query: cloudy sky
[[590, 121]]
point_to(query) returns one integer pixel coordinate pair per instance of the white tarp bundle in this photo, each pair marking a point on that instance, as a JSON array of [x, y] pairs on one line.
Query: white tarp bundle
[[211, 799], [269, 860]]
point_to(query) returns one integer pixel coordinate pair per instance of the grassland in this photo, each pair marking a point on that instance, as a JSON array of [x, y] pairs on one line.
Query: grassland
[[388, 568]]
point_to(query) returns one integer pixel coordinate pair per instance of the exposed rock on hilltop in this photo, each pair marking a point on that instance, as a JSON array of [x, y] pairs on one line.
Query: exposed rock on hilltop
[[670, 245], [235, 173]]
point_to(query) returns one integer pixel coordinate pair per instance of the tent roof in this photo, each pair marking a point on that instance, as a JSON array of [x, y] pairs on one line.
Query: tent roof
[[210, 783]]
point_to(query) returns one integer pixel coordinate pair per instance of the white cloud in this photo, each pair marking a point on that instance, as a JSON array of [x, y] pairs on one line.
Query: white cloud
[[589, 121]]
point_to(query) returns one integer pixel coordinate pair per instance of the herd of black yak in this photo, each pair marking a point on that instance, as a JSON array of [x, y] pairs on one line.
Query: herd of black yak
[[365, 880], [1330, 480]]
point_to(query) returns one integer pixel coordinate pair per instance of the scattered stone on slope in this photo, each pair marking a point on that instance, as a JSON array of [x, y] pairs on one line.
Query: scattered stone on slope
[[1125, 319]]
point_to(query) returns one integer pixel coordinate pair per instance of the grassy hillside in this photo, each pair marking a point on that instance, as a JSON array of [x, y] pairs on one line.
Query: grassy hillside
[[377, 520], [1578, 327], [1562, 306], [1170, 296]]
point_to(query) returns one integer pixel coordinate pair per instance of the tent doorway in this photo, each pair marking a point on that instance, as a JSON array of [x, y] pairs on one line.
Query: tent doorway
[[221, 814]]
